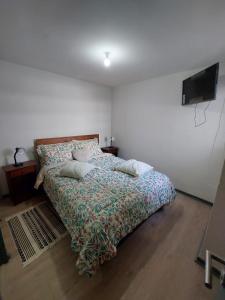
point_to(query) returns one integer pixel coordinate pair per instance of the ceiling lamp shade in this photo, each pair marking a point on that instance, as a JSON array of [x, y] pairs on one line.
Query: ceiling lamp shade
[[107, 61]]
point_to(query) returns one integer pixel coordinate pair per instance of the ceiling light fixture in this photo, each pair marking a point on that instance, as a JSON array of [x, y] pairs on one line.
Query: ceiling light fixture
[[107, 61]]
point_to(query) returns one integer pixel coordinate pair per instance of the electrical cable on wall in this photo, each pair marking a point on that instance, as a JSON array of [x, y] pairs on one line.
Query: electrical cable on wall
[[210, 157], [205, 118], [218, 128]]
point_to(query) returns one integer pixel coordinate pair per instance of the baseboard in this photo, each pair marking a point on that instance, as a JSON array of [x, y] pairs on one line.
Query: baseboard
[[196, 198]]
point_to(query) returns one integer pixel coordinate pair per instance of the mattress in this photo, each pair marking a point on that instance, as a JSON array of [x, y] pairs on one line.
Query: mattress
[[105, 206]]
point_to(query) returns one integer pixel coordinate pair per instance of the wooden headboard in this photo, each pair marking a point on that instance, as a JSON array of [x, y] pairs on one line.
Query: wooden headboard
[[64, 139]]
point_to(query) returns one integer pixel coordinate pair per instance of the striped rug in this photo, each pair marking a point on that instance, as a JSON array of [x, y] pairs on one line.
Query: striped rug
[[35, 230]]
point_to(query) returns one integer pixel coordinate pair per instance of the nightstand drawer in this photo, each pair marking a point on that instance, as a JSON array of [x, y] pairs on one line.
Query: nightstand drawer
[[22, 171], [21, 180]]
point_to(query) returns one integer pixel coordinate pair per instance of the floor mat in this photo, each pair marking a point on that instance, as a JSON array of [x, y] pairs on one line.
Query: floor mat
[[36, 230]]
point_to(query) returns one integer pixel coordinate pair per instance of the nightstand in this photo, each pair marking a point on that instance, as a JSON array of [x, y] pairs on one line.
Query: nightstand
[[21, 180], [113, 150]]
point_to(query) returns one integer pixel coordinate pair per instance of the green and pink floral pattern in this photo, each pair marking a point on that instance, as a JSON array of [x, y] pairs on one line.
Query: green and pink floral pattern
[[91, 144], [55, 153], [104, 207]]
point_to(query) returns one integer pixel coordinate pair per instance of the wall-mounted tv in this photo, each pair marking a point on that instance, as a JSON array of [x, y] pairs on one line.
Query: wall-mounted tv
[[201, 86]]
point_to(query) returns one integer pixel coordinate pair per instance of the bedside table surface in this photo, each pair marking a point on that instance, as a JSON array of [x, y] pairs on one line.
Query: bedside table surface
[[110, 148], [11, 168]]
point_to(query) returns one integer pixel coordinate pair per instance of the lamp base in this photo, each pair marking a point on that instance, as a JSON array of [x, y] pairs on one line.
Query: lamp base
[[18, 164]]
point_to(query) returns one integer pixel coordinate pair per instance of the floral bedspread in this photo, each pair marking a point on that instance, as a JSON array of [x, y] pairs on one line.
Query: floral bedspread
[[104, 207]]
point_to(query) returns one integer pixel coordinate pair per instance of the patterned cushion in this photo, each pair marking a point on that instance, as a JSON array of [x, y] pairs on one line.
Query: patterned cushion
[[55, 153], [92, 144]]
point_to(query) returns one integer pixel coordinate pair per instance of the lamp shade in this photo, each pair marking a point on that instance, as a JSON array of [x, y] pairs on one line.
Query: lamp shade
[[112, 139]]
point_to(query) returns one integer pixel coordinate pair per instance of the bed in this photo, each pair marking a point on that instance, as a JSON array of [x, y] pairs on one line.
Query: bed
[[104, 207]]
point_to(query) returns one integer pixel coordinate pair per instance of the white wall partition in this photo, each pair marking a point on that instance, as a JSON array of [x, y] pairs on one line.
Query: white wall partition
[[36, 104], [151, 125]]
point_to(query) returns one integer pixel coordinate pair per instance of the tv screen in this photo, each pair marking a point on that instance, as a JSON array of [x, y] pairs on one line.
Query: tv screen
[[201, 86]]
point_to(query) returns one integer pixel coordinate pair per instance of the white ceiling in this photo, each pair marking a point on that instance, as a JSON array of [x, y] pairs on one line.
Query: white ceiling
[[145, 37]]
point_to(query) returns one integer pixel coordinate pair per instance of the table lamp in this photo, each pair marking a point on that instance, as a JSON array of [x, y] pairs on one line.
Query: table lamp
[[19, 150], [112, 139]]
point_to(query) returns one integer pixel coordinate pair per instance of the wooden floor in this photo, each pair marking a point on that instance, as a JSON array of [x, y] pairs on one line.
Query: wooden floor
[[156, 262]]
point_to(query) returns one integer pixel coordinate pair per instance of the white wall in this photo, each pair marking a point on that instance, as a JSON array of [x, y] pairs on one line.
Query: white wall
[[150, 124], [36, 104]]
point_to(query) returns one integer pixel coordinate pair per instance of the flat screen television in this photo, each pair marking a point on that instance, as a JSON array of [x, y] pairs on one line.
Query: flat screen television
[[201, 86]]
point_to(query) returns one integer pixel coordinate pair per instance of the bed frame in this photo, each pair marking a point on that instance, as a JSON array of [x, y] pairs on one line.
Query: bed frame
[[64, 139], [57, 140]]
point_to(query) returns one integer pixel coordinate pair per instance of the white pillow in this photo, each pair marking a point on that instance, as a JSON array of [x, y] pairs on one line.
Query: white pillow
[[83, 154], [76, 169], [134, 167]]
